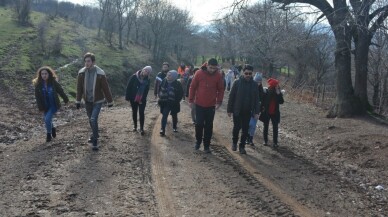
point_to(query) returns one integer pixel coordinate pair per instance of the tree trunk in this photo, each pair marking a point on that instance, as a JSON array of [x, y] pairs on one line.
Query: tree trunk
[[361, 65], [346, 104]]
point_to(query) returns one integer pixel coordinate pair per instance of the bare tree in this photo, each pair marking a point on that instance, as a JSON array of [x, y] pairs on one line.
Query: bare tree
[[23, 10]]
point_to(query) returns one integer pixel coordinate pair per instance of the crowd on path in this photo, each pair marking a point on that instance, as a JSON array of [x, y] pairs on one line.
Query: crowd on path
[[203, 88]]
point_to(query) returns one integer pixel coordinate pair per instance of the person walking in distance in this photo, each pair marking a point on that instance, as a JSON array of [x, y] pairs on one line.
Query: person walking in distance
[[160, 77], [136, 93], [243, 103], [229, 79], [170, 95], [93, 87], [206, 94], [192, 112], [272, 98], [47, 92], [252, 123]]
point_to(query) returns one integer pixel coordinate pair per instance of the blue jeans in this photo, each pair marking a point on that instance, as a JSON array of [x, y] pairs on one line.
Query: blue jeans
[[252, 126], [48, 119], [93, 111], [166, 111]]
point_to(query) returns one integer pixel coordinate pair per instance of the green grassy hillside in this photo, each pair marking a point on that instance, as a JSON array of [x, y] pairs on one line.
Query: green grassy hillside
[[21, 54]]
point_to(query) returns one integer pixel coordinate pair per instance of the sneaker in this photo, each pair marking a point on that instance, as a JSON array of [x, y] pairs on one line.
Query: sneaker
[[142, 132], [54, 132], [90, 140], [134, 129], [197, 146], [275, 146], [48, 138], [175, 130], [162, 133], [265, 144], [234, 147]]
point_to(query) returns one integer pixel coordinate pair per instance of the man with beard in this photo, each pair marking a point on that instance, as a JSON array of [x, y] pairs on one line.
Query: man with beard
[[159, 78]]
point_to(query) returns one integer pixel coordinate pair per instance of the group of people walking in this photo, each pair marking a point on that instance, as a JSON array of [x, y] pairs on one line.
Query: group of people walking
[[203, 87]]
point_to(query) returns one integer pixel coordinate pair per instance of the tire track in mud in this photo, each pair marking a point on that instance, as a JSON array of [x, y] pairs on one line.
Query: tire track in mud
[[163, 195]]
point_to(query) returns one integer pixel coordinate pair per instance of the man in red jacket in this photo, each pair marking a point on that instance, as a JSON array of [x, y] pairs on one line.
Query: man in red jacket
[[206, 94]]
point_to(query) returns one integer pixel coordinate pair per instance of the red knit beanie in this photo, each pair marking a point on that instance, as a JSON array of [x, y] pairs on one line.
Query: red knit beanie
[[272, 82]]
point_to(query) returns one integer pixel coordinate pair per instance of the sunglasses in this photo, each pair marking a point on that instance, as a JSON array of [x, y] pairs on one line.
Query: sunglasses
[[247, 73]]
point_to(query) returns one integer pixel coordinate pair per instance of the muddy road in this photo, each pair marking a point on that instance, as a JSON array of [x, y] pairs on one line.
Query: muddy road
[[134, 175]]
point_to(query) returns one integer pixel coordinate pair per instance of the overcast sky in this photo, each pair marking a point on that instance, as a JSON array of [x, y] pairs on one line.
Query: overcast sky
[[202, 11]]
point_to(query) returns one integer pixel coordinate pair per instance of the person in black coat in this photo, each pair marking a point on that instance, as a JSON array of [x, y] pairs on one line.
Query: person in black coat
[[136, 93], [187, 94], [243, 103], [170, 95], [272, 98]]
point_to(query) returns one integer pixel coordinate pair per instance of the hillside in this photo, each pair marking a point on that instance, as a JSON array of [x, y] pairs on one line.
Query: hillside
[[21, 54]]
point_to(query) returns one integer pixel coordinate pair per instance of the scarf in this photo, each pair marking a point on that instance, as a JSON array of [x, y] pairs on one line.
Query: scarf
[[142, 86]]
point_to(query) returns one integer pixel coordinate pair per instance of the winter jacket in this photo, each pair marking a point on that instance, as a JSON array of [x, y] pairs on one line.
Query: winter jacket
[[206, 90], [133, 85], [267, 93], [244, 92], [101, 87], [58, 91], [158, 80], [170, 96], [188, 85]]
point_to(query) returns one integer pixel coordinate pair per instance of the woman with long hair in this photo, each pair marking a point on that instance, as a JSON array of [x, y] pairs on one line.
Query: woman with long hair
[[47, 92]]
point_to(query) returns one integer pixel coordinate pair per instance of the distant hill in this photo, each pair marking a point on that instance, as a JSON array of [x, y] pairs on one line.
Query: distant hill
[[21, 53]]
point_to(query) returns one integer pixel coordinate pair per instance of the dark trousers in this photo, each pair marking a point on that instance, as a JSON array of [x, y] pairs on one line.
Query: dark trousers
[[241, 122], [165, 112], [135, 107], [275, 127], [204, 124]]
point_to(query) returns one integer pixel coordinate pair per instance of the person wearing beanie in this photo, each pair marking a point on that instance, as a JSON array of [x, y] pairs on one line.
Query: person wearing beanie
[[159, 78], [252, 123], [272, 98], [170, 96], [136, 93], [206, 94], [243, 103]]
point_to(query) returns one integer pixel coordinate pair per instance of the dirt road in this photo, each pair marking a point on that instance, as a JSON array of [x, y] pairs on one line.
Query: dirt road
[[134, 175]]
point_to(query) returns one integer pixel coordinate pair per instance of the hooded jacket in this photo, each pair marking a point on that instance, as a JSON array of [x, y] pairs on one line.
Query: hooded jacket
[[100, 87]]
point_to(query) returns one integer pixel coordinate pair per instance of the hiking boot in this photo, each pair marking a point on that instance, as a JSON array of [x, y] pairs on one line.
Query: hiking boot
[[142, 132], [207, 150], [54, 132], [234, 147], [197, 146], [242, 150], [248, 140], [175, 130], [48, 138], [162, 133], [95, 146]]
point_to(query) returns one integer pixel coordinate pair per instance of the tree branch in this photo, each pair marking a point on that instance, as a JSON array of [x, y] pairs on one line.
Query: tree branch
[[377, 12], [377, 24], [322, 5]]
